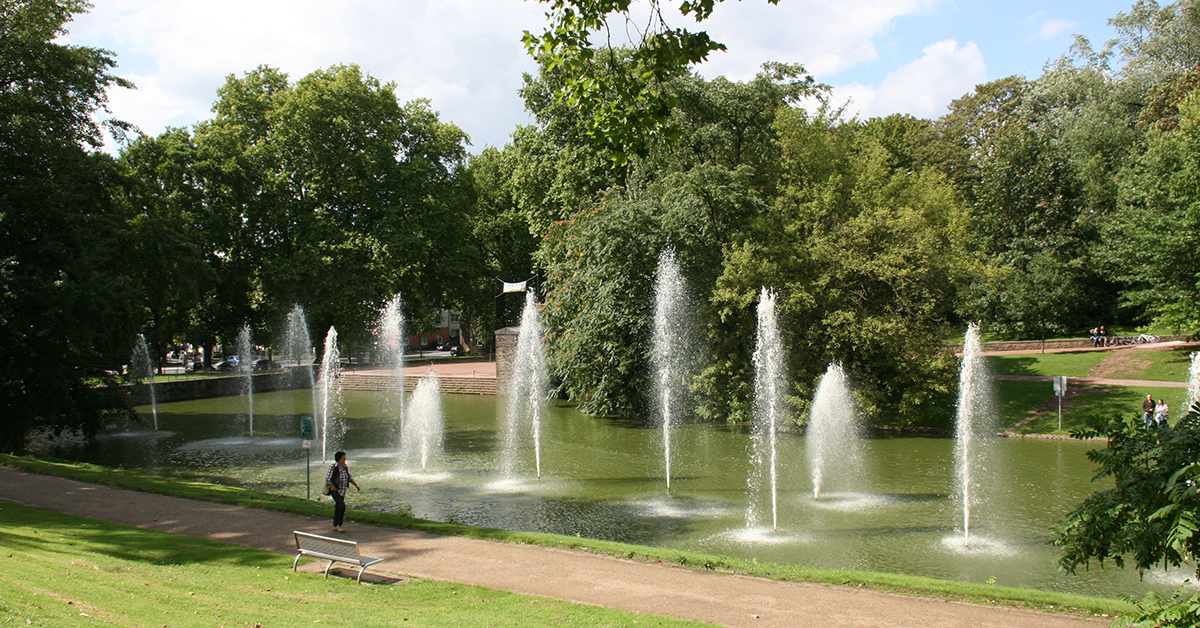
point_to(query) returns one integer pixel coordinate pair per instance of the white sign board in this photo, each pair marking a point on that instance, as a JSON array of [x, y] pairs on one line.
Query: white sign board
[[1060, 385]]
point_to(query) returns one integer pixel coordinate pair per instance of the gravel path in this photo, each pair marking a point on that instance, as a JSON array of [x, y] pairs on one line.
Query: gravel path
[[721, 599]]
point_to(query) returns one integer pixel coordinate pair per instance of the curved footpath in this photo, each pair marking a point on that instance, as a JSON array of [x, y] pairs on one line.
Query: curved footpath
[[716, 598]]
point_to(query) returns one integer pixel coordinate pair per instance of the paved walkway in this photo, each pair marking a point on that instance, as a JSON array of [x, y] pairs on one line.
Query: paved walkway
[[721, 599]]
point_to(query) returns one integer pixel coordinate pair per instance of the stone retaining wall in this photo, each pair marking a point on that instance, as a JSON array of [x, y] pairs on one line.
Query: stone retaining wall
[[207, 387]]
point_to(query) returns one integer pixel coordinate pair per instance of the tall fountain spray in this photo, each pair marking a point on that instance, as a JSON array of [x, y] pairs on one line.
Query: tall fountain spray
[[1193, 390], [527, 389], [769, 411], [142, 367], [297, 354], [421, 432], [392, 343], [245, 351], [672, 349], [971, 423], [329, 395], [834, 436]]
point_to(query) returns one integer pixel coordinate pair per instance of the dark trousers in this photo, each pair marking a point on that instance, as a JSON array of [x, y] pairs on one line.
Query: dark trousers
[[339, 508]]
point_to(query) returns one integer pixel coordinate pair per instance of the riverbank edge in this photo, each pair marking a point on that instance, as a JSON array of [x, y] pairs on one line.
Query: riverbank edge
[[950, 590]]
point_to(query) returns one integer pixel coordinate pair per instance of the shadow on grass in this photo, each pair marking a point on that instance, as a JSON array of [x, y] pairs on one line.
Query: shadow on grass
[[45, 532]]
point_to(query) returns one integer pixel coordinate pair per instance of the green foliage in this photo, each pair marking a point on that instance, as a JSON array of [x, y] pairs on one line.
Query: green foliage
[[67, 300], [1180, 610], [598, 307], [1153, 237], [1150, 514], [863, 250], [627, 101]]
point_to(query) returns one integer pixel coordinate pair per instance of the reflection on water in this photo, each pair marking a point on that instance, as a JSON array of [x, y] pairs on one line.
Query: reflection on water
[[603, 479]]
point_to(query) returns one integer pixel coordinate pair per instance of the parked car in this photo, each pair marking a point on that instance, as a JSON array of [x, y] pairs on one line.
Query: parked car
[[454, 350], [263, 364], [228, 364]]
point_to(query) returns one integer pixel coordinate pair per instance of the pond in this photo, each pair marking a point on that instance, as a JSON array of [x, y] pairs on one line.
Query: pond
[[603, 479]]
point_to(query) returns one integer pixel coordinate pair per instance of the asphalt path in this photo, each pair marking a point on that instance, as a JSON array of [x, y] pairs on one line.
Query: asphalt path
[[658, 589]]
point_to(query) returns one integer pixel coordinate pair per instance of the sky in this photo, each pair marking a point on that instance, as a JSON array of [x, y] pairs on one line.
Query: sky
[[467, 59]]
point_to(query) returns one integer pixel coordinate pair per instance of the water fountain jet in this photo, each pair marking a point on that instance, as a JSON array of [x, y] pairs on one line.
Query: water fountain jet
[[422, 431], [330, 395], [527, 390], [392, 343], [672, 349], [1193, 389], [974, 412], [142, 367], [769, 411], [833, 438], [245, 351]]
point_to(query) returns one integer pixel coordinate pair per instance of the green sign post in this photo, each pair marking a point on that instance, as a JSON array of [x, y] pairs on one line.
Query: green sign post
[[306, 437]]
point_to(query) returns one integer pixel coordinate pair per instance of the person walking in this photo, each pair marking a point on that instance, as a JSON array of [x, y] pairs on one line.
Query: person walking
[[1148, 408], [337, 482]]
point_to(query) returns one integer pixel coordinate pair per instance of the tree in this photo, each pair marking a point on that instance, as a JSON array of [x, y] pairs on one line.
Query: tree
[[863, 252], [1150, 515], [294, 188], [1152, 239], [627, 102], [66, 303]]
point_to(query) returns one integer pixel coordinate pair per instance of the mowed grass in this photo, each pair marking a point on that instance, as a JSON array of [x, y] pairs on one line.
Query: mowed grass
[[1163, 365], [1071, 364], [1093, 406], [61, 570]]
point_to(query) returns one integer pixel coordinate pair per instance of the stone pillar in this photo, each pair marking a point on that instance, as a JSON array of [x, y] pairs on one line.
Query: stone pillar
[[506, 354]]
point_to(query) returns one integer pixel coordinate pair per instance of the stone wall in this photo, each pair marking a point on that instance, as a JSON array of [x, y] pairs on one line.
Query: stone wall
[[506, 354], [206, 387]]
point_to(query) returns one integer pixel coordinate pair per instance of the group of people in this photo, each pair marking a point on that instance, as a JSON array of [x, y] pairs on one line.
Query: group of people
[[1154, 413], [1099, 336]]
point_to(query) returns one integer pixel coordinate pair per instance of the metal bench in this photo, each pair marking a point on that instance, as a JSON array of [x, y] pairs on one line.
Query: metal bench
[[332, 550]]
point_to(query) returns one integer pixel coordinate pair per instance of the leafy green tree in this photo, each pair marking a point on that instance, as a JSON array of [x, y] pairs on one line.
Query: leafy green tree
[[166, 253], [67, 305], [295, 188], [863, 252], [1152, 240], [1149, 517], [626, 99]]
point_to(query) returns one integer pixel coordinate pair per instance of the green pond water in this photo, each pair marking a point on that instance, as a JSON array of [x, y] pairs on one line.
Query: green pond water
[[604, 479]]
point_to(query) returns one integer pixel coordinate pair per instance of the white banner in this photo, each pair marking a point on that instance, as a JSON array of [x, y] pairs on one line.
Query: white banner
[[514, 287]]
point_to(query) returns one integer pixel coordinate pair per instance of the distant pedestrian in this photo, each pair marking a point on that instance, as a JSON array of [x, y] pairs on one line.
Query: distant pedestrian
[[1148, 408], [1095, 331], [1103, 336], [338, 481], [1161, 412]]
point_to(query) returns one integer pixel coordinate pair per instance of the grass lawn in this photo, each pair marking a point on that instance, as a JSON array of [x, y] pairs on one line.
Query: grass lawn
[[70, 571], [1087, 406], [1071, 364]]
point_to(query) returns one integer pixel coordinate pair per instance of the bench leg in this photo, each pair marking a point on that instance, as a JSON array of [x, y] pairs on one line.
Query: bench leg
[[360, 570], [327, 568], [296, 561]]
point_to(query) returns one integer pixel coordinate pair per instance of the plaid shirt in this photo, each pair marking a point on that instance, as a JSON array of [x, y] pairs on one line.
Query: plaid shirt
[[339, 477]]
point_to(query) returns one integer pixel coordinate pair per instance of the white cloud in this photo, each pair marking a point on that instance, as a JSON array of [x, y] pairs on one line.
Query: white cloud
[[922, 87], [465, 56], [1053, 28], [827, 37]]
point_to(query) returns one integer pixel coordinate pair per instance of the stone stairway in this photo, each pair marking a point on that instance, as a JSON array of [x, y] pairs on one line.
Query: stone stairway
[[454, 385]]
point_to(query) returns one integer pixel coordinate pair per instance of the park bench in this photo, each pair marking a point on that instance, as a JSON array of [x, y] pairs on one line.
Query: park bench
[[332, 550]]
